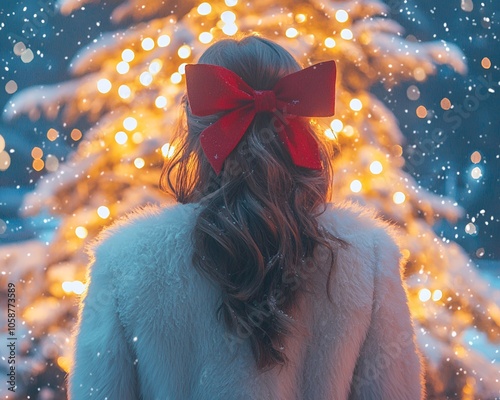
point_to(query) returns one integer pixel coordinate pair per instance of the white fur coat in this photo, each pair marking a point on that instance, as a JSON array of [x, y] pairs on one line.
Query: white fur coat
[[147, 327]]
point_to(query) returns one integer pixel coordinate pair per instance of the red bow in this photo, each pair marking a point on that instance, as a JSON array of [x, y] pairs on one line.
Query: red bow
[[308, 93]]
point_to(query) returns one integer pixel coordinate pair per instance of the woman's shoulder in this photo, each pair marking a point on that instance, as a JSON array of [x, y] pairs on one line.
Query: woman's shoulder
[[142, 228], [360, 226]]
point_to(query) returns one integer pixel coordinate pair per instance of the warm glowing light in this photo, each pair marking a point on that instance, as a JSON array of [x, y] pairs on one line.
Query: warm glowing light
[[329, 134], [421, 112], [124, 91], [38, 164], [161, 102], [424, 294], [475, 157], [205, 37], [291, 33], [4, 162], [128, 55], [419, 74], [204, 9], [2, 143], [137, 137], [399, 198], [231, 3], [176, 78], [37, 152], [163, 41], [76, 134], [103, 212], [437, 295], [155, 66], [346, 34], [355, 104], [228, 17], [300, 18], [148, 44], [476, 173], [81, 232], [341, 15], [376, 167], [184, 51], [130, 123], [121, 137], [230, 29], [139, 162], [64, 363], [356, 186], [51, 163], [337, 125], [27, 56], [445, 103], [103, 85], [52, 134], [397, 150], [167, 150], [146, 78], [486, 63], [470, 228], [330, 42], [413, 92], [76, 287], [182, 69], [348, 131], [122, 67]]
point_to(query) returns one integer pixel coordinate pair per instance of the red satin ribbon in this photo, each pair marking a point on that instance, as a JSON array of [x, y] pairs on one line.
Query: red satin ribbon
[[308, 93]]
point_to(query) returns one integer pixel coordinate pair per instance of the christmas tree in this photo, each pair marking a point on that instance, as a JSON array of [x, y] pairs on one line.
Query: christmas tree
[[128, 84]]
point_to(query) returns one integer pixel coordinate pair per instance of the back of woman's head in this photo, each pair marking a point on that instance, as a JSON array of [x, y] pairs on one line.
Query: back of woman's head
[[258, 224]]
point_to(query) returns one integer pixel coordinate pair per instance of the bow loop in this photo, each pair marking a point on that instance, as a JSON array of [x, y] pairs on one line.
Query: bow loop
[[265, 100], [307, 93]]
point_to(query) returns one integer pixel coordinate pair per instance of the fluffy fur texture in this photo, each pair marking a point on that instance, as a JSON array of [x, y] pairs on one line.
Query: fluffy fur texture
[[147, 327]]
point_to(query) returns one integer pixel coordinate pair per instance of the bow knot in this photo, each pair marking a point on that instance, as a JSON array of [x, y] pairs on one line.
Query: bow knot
[[307, 93], [265, 100]]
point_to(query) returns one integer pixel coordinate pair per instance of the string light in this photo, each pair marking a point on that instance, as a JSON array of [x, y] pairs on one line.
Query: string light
[[336, 125], [184, 51], [51, 163], [139, 162], [103, 212], [52, 134], [376, 167], [121, 137], [128, 55], [124, 91], [475, 157], [130, 123], [356, 186], [228, 17], [291, 33], [4, 160], [148, 44], [231, 3], [476, 173], [355, 104], [76, 134], [230, 29], [424, 295], [122, 67], [205, 37], [167, 150], [176, 78], [103, 85], [486, 63], [161, 102], [398, 198], [38, 164], [419, 74], [81, 232], [346, 34], [437, 295], [76, 287], [163, 41], [146, 78], [300, 18], [341, 16], [330, 42], [329, 134], [155, 66], [37, 152], [137, 137], [204, 9], [182, 69], [421, 112], [470, 228]]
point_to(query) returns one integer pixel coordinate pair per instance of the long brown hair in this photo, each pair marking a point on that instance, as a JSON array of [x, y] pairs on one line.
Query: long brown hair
[[259, 220]]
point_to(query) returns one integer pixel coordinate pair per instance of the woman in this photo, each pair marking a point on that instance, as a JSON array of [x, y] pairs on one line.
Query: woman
[[253, 286]]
